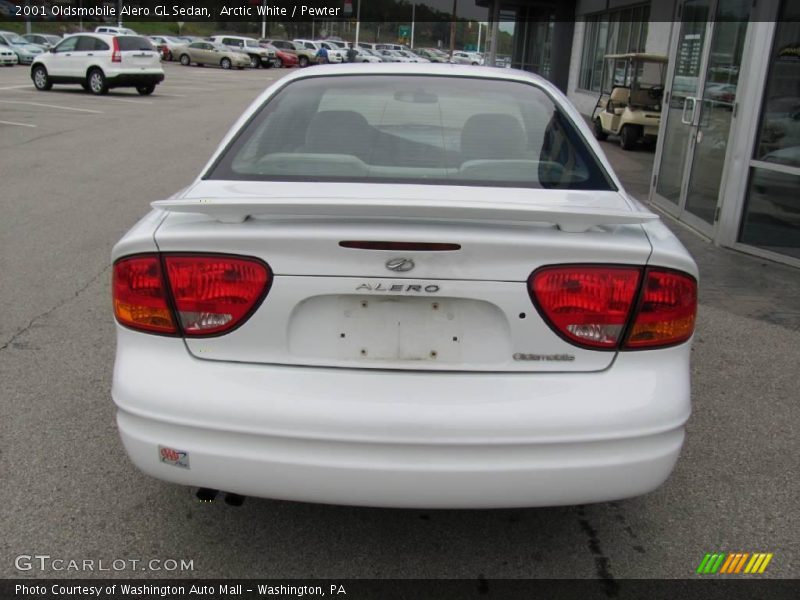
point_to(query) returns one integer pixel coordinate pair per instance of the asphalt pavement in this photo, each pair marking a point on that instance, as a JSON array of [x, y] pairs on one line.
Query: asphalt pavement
[[77, 171]]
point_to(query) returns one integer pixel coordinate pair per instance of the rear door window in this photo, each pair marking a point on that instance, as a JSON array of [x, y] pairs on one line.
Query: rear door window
[[134, 42]]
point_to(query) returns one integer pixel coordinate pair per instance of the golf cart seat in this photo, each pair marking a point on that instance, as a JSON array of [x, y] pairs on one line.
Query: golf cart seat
[[618, 100]]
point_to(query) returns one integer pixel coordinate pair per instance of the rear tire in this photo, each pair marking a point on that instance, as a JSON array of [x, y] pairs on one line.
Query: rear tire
[[302, 61], [225, 63], [41, 81], [255, 61], [628, 137], [277, 63], [97, 82], [146, 90], [185, 60], [599, 134]]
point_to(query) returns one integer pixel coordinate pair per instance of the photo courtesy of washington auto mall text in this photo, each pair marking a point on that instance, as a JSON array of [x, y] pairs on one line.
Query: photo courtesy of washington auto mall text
[[400, 299]]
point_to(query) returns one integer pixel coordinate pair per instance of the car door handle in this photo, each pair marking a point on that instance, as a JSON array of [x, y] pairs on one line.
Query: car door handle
[[90, 54], [68, 54]]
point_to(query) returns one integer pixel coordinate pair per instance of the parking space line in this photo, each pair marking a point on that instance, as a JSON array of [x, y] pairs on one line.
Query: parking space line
[[171, 95], [86, 110], [15, 87], [17, 124]]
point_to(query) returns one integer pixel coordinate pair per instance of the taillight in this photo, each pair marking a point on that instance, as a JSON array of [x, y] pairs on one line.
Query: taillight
[[116, 55], [588, 305], [212, 294], [140, 299], [666, 312], [215, 293], [593, 306]]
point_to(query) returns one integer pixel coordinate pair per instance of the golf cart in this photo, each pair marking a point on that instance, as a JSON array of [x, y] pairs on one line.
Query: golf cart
[[630, 101]]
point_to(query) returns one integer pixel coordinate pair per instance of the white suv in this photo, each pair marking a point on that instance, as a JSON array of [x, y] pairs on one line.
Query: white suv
[[99, 62], [259, 56]]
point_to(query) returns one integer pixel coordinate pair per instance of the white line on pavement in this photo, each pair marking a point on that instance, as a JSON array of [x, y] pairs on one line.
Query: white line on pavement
[[18, 124], [86, 110], [15, 87]]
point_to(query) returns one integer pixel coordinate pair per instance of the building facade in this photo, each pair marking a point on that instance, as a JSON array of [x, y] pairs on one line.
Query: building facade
[[727, 160]]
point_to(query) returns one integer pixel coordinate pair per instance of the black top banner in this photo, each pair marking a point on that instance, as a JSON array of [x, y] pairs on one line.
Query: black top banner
[[377, 11]]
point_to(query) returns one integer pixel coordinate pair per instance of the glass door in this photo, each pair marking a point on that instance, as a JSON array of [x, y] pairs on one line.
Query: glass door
[[702, 93]]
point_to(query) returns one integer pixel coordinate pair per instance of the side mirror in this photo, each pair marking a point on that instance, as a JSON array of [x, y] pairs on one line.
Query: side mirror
[[52, 50]]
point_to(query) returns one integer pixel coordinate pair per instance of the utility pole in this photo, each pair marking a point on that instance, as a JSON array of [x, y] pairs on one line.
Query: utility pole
[[119, 12], [358, 20], [413, 11], [264, 21], [453, 30], [480, 26]]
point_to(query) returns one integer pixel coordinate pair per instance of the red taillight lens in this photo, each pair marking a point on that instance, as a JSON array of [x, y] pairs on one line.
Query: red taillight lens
[[213, 294], [116, 55], [588, 305], [140, 300], [667, 310], [591, 306]]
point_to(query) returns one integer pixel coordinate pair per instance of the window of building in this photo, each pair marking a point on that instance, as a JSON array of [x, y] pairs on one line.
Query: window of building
[[771, 217], [611, 32]]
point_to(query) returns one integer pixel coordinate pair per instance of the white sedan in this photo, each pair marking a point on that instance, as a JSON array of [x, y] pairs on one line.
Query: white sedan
[[405, 285]]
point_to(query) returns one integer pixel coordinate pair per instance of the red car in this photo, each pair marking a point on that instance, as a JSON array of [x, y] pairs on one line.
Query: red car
[[282, 57]]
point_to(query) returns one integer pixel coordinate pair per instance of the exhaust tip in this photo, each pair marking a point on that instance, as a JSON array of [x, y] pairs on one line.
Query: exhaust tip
[[232, 499], [206, 494]]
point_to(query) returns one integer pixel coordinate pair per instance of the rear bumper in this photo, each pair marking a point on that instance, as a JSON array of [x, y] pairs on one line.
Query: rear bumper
[[134, 79], [402, 439]]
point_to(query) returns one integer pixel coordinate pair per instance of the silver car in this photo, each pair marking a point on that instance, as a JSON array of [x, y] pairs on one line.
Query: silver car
[[209, 53], [25, 51]]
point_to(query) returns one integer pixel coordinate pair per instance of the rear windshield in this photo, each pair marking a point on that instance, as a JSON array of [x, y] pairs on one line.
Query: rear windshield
[[412, 129], [134, 42]]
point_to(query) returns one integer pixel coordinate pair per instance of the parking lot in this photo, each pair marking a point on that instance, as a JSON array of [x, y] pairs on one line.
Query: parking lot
[[78, 170]]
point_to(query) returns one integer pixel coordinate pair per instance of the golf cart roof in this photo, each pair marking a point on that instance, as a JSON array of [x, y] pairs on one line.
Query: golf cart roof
[[639, 56]]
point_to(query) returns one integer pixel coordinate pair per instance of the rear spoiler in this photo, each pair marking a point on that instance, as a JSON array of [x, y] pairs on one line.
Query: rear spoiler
[[571, 219]]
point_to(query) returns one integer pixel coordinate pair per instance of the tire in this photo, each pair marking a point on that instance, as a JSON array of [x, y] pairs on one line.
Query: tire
[[185, 60], [302, 61], [40, 79], [599, 134], [145, 90], [97, 82], [255, 61], [628, 137], [277, 63], [169, 56], [225, 63]]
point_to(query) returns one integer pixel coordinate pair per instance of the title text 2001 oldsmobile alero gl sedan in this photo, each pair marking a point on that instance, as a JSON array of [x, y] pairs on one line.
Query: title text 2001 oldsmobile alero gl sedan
[[407, 286]]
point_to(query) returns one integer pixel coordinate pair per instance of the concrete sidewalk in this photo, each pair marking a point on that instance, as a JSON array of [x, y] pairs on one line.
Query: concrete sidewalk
[[732, 281]]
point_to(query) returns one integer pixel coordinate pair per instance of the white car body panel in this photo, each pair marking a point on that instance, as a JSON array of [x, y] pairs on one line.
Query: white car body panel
[[282, 407]]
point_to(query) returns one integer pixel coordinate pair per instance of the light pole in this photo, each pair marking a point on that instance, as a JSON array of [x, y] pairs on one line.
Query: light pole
[[264, 21], [453, 30], [358, 20], [413, 11]]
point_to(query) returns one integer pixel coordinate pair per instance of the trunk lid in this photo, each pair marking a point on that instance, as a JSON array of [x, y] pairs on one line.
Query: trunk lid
[[467, 309]]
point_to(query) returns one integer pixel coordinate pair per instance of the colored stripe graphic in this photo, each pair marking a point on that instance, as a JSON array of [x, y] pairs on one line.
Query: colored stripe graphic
[[711, 563], [734, 563], [759, 562]]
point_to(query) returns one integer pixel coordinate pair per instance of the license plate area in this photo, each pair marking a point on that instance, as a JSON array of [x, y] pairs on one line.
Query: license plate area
[[397, 328]]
